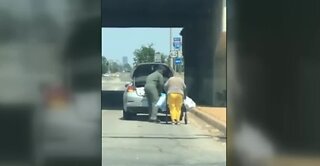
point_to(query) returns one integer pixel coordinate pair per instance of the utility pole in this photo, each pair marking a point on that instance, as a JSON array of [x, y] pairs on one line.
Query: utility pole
[[170, 44]]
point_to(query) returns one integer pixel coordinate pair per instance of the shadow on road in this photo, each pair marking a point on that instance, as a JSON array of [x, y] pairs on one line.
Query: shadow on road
[[111, 100], [144, 118]]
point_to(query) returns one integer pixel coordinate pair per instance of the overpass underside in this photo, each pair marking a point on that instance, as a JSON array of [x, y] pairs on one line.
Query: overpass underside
[[203, 40]]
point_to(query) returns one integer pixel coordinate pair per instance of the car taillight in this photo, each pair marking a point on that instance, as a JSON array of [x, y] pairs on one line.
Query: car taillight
[[131, 88]]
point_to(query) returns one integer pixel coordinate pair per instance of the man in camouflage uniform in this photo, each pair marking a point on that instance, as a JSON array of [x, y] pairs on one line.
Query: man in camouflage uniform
[[153, 89]]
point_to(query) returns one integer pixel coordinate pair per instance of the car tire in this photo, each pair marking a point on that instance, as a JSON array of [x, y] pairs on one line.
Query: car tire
[[128, 115]]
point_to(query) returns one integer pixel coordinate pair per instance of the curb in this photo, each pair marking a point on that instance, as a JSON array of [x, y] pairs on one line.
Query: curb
[[210, 120]]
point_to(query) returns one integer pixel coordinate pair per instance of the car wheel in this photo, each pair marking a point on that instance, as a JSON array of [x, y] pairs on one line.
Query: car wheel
[[128, 115]]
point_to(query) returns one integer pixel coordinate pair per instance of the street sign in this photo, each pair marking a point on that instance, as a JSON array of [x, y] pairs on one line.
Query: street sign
[[157, 58], [176, 39], [173, 54], [177, 43], [178, 61]]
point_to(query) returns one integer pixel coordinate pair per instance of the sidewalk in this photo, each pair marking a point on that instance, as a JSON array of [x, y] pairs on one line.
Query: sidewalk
[[215, 116]]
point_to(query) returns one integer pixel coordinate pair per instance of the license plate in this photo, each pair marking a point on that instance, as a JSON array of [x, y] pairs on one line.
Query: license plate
[[140, 91]]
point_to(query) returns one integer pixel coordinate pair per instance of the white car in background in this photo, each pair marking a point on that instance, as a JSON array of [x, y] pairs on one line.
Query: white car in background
[[134, 99]]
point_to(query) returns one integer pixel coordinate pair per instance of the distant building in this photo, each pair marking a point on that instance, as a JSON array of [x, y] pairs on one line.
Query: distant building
[[124, 60]]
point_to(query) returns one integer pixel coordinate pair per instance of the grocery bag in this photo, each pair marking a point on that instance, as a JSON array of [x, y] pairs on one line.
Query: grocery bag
[[189, 103], [161, 103]]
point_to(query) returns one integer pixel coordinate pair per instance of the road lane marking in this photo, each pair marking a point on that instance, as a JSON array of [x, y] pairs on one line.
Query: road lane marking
[[159, 137]]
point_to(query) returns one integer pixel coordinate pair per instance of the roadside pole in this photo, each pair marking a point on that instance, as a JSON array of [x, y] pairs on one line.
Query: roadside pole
[[175, 65], [170, 44], [174, 55]]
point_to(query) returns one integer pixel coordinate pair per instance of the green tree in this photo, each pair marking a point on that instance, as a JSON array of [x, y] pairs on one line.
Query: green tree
[[115, 67], [127, 67], [144, 54], [163, 58], [104, 65]]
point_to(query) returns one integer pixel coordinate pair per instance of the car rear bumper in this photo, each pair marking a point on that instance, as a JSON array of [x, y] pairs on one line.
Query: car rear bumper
[[141, 110], [137, 103], [133, 100], [138, 109]]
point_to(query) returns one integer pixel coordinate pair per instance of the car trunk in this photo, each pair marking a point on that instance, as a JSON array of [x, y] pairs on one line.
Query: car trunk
[[140, 74]]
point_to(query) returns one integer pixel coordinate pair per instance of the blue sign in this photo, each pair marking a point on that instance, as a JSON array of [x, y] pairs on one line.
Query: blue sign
[[178, 61], [176, 39], [177, 43]]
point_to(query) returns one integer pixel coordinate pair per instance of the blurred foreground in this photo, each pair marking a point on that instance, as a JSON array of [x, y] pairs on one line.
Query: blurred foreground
[[50, 83]]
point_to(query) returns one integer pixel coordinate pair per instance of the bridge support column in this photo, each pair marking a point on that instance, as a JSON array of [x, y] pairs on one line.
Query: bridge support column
[[200, 40]]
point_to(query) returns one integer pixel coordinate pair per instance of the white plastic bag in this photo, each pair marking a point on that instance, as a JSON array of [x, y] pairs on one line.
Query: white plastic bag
[[189, 103], [161, 103]]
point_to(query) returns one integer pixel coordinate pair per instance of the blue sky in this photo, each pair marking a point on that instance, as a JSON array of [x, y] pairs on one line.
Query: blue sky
[[119, 42]]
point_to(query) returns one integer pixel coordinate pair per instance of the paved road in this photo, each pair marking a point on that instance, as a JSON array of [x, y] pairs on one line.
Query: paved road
[[140, 143], [115, 83]]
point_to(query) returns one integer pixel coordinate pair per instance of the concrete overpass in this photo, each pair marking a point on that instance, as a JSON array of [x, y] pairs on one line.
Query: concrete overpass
[[203, 40], [273, 62]]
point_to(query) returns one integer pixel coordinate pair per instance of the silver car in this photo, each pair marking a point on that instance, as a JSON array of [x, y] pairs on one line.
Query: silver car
[[134, 99]]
